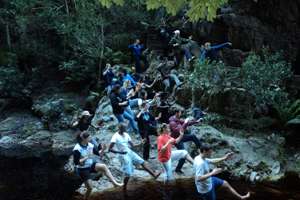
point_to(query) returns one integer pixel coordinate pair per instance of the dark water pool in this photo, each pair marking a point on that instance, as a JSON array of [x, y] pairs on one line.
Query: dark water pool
[[40, 178]]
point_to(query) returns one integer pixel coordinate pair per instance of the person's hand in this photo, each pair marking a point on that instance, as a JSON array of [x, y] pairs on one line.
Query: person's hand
[[89, 154], [144, 141], [159, 115], [103, 123], [190, 37], [97, 127], [144, 110], [125, 103], [230, 44], [216, 171], [186, 120], [229, 155], [75, 116], [108, 67], [199, 120], [176, 44], [176, 97], [155, 79], [171, 140], [122, 152], [181, 131], [104, 146]]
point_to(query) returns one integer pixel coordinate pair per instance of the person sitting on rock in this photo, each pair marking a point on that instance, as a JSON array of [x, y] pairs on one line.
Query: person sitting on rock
[[137, 50], [165, 153], [144, 118], [176, 124], [82, 156], [176, 43], [128, 76], [134, 74], [126, 156], [140, 85], [164, 106], [206, 184], [164, 32], [144, 98], [165, 70], [211, 52], [84, 123], [117, 103]]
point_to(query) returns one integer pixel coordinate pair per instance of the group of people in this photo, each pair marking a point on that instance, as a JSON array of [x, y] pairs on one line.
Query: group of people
[[130, 89]]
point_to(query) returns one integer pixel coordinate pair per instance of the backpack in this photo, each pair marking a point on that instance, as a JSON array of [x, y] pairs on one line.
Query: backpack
[[198, 113]]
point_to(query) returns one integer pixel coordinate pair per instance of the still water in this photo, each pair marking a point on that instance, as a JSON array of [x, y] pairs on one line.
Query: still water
[[40, 178]]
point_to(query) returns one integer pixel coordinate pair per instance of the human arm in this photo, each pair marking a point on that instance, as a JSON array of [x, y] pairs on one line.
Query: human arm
[[74, 119], [131, 46], [150, 86], [162, 106], [203, 54], [181, 132], [158, 117], [221, 46], [143, 141], [111, 149], [171, 104], [107, 70], [206, 176], [95, 126], [164, 148], [217, 160], [78, 160]]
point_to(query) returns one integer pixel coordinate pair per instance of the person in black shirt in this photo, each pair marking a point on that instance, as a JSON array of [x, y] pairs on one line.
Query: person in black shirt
[[164, 106], [144, 123], [164, 32], [84, 123]]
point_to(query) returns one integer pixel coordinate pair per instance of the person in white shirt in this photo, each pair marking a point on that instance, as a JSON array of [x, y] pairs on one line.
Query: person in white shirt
[[126, 156], [205, 182]]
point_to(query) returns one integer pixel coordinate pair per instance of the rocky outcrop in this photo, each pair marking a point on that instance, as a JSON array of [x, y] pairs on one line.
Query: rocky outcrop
[[249, 25]]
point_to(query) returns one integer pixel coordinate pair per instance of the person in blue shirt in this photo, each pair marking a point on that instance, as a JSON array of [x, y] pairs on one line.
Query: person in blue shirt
[[137, 50], [108, 75], [211, 52]]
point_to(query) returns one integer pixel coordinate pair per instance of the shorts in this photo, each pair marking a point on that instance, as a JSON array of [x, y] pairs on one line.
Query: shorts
[[85, 174], [216, 184], [127, 161]]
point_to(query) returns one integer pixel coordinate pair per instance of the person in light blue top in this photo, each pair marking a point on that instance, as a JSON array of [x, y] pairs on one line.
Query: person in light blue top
[[206, 184], [211, 52], [137, 50]]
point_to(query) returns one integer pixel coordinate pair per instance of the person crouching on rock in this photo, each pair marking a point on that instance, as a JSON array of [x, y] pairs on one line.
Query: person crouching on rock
[[165, 155], [126, 156], [82, 154]]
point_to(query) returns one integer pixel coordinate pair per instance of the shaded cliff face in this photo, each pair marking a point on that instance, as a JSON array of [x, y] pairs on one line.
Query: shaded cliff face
[[249, 25]]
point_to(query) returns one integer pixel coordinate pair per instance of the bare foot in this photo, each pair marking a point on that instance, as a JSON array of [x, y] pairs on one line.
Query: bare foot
[[118, 185], [157, 175], [246, 196]]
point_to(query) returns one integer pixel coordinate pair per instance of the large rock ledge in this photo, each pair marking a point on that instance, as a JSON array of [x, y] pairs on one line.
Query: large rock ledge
[[257, 157]]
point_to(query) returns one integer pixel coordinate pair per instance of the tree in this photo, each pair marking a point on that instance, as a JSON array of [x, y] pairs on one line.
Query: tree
[[198, 8]]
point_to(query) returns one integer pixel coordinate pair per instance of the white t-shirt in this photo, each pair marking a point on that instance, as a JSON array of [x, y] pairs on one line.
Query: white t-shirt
[[121, 142], [201, 168]]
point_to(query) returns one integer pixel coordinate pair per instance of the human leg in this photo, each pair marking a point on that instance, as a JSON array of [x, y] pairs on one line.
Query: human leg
[[147, 168], [133, 102], [165, 45], [126, 166], [146, 146], [181, 161], [130, 118], [167, 84], [187, 53], [102, 167], [119, 117], [144, 58], [129, 111], [175, 79], [93, 141], [178, 59], [167, 166], [232, 191], [192, 137], [89, 187], [137, 63]]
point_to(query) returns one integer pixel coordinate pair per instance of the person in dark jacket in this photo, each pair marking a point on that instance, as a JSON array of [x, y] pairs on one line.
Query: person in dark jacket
[[144, 123], [108, 75], [176, 43], [211, 52], [117, 101], [137, 50], [176, 124], [82, 155], [164, 32], [164, 106]]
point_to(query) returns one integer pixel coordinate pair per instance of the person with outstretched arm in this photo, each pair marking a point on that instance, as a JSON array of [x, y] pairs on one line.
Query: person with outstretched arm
[[211, 52]]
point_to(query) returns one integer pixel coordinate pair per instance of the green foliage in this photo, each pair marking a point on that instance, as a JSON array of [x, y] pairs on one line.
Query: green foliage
[[262, 76], [198, 9], [288, 114], [116, 57]]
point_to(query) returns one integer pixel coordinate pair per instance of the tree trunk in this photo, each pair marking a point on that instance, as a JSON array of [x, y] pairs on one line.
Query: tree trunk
[[8, 34]]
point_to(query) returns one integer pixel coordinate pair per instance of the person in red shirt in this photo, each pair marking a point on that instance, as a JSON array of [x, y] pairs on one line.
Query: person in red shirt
[[165, 155]]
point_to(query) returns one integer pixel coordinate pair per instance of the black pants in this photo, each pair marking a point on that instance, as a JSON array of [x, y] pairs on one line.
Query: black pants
[[137, 60], [178, 56], [152, 130]]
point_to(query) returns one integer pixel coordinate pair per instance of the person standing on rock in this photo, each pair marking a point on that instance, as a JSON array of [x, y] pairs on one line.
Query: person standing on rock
[[176, 125], [126, 156], [144, 123], [117, 103], [211, 52], [205, 182], [108, 75], [82, 155], [84, 123], [165, 70], [176, 43], [165, 155], [164, 32], [137, 50]]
